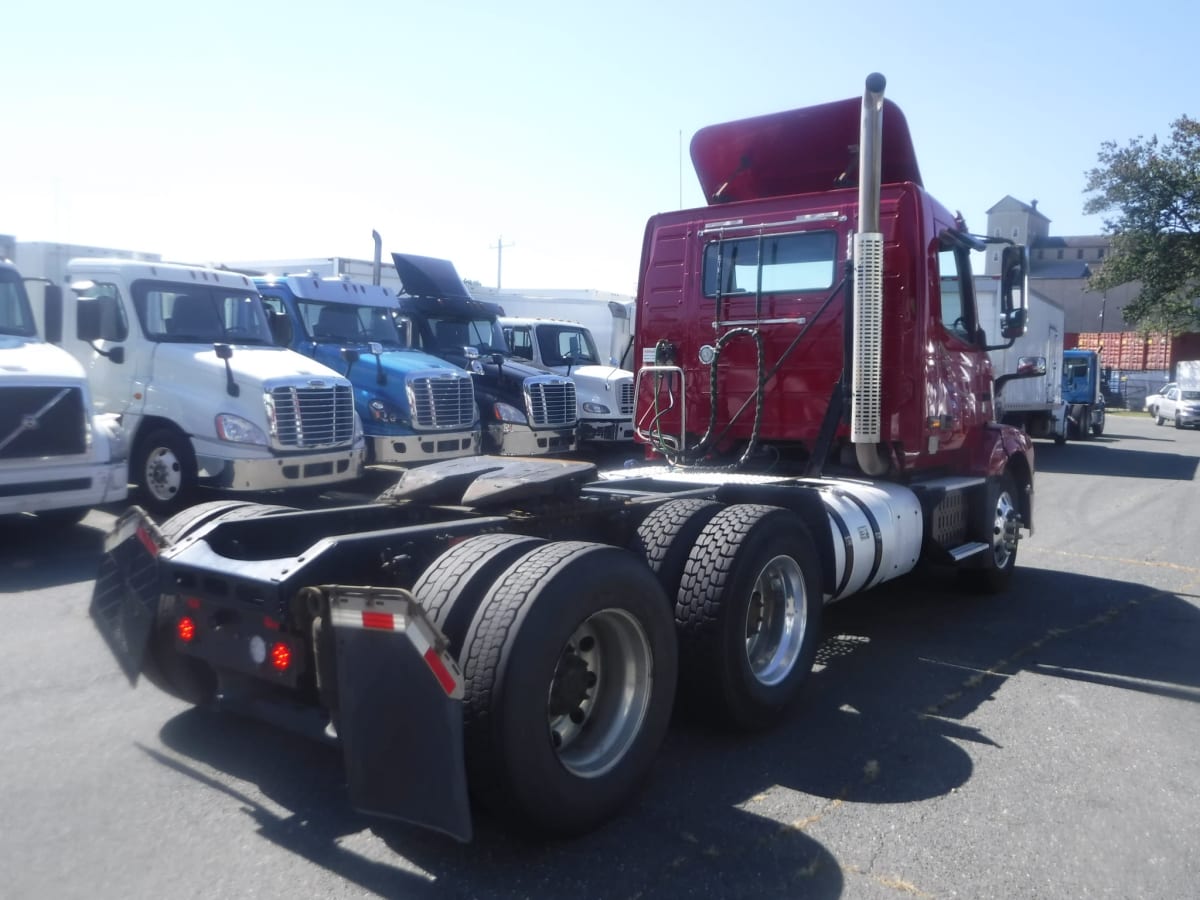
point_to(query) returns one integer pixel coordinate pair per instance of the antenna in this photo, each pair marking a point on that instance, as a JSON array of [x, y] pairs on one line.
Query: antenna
[[499, 248]]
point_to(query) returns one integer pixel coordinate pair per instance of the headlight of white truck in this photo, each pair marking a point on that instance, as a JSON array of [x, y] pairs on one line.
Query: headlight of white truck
[[237, 430], [506, 413], [591, 407]]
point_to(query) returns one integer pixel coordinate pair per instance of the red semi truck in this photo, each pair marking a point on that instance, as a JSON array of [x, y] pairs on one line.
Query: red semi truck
[[818, 398]]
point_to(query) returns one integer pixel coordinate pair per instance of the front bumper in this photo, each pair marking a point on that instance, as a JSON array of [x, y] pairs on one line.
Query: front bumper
[[521, 440], [39, 488], [606, 430], [407, 449], [269, 473]]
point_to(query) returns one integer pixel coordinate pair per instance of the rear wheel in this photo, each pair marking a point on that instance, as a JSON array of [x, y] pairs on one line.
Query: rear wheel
[[665, 538], [1158, 420], [749, 614], [570, 670], [454, 585]]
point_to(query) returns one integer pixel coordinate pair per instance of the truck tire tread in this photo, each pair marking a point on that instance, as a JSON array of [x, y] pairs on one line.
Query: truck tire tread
[[711, 608], [452, 587], [511, 650]]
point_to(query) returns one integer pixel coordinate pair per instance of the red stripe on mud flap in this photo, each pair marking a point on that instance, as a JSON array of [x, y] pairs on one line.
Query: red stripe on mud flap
[[445, 679], [147, 541], [382, 621]]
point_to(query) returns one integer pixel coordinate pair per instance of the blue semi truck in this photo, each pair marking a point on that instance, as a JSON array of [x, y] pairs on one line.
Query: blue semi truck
[[1082, 394], [414, 407]]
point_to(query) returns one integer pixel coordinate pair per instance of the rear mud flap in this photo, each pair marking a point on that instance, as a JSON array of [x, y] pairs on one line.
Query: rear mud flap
[[125, 596], [399, 711]]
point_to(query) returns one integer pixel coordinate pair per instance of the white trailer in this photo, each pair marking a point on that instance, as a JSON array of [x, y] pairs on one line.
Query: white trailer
[[1033, 404]]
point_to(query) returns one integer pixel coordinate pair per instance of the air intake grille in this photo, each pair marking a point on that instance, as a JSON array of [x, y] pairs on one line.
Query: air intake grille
[[442, 400], [307, 417], [42, 421], [626, 397], [551, 402]]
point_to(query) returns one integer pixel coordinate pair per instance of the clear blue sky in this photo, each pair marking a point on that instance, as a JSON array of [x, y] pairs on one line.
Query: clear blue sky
[[229, 131]]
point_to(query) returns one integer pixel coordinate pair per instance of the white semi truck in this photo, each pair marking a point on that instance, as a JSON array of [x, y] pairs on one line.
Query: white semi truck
[[604, 393], [58, 457], [185, 357]]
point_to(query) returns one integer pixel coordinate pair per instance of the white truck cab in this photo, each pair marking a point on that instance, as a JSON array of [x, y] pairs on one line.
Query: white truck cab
[[185, 356], [604, 393], [58, 458]]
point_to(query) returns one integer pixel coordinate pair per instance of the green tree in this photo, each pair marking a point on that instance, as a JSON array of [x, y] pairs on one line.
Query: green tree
[[1154, 191]]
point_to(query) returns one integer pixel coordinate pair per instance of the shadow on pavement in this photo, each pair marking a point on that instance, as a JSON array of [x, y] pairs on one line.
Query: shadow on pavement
[[901, 670]]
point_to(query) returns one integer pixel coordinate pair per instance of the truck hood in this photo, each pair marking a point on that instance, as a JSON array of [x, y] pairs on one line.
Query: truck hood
[[801, 151], [427, 276], [598, 374], [395, 363], [29, 359], [252, 366], [513, 373]]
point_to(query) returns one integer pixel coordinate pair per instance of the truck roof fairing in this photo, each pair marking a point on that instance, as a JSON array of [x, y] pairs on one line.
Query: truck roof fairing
[[428, 276], [800, 151]]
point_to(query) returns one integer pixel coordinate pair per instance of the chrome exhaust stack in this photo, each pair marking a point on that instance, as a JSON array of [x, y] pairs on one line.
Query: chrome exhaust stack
[[867, 337]]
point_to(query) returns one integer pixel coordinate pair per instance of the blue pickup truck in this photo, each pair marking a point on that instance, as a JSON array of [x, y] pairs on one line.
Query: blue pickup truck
[[414, 407]]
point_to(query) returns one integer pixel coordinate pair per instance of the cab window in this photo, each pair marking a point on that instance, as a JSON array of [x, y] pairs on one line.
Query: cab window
[[957, 295]]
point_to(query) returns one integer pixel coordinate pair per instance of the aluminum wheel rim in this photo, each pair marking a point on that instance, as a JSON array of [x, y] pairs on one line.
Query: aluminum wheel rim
[[605, 675], [1004, 529], [164, 473], [776, 620]]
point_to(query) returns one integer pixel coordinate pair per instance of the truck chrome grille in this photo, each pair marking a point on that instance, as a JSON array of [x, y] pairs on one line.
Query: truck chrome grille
[[551, 402], [626, 397], [441, 400], [312, 416], [42, 421]]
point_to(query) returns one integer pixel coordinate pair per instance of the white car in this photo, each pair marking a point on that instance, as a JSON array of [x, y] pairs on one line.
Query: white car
[[1152, 400], [1179, 406]]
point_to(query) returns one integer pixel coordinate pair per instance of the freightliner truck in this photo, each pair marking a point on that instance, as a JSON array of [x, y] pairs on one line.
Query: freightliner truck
[[414, 407], [184, 356], [58, 457], [514, 630], [604, 392], [526, 410]]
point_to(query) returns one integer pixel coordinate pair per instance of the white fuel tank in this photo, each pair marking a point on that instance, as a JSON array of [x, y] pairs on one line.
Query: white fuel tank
[[876, 529]]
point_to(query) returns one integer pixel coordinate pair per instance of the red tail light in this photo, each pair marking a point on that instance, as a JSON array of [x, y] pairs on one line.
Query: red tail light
[[186, 629], [281, 656]]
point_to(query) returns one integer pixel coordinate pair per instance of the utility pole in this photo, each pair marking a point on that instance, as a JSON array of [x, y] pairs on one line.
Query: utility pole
[[499, 248]]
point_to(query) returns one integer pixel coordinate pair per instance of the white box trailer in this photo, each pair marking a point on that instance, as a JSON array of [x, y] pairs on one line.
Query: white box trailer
[[609, 317], [1032, 404]]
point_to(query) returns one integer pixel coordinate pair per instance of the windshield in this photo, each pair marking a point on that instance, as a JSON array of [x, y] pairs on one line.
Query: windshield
[[16, 317], [348, 323], [200, 314], [452, 333], [563, 345]]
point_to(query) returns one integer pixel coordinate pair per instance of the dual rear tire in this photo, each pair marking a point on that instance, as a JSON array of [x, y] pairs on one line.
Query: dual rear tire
[[571, 651]]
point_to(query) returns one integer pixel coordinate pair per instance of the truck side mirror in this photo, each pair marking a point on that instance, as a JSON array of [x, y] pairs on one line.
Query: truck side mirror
[[91, 314], [281, 328], [1014, 323], [1014, 279], [52, 304]]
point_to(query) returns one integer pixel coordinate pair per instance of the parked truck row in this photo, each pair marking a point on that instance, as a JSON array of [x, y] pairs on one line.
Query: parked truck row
[[206, 378], [516, 630]]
